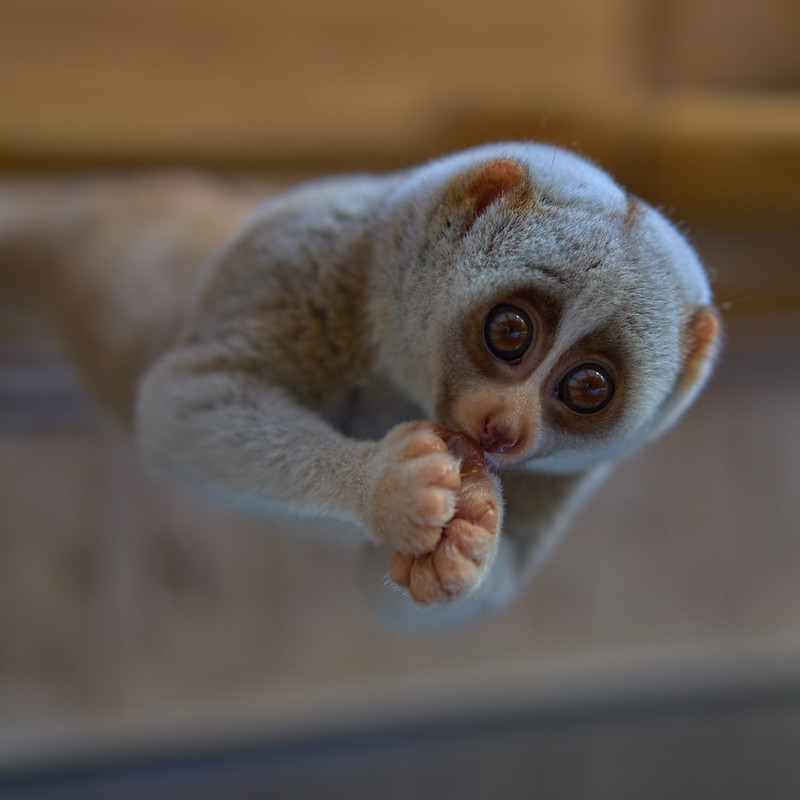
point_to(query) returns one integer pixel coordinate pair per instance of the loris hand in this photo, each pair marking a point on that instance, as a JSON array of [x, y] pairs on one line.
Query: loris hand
[[414, 488], [443, 525]]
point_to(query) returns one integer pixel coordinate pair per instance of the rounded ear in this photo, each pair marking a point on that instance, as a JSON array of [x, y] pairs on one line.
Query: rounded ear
[[501, 177], [700, 346], [701, 343]]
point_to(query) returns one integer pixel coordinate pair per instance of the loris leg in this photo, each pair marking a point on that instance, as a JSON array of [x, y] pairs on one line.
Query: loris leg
[[538, 508]]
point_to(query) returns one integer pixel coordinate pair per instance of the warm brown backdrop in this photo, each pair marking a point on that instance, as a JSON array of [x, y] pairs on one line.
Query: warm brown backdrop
[[693, 104]]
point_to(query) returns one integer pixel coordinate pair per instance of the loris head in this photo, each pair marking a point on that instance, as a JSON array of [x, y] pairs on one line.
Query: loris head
[[526, 299]]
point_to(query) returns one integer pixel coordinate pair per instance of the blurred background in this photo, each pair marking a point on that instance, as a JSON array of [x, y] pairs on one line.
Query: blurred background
[[153, 647]]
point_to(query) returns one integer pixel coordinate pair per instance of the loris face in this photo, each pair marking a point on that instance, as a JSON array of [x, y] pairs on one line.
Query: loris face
[[530, 390], [575, 322]]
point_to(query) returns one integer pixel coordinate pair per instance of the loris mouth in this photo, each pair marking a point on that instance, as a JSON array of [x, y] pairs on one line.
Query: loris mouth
[[500, 461], [475, 456]]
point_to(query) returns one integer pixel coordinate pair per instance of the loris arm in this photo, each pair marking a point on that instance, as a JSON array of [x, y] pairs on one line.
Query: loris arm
[[209, 422]]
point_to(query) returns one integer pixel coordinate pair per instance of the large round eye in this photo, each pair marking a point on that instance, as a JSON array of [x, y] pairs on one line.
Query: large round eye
[[586, 389], [508, 332]]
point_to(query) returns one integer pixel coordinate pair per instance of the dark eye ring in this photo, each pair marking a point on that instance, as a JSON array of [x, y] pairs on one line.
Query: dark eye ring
[[508, 332], [586, 389]]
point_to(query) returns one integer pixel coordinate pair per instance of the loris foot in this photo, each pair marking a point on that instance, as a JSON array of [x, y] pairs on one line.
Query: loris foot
[[465, 550]]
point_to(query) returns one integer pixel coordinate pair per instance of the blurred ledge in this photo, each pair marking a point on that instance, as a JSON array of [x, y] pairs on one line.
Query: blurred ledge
[[710, 158], [39, 390], [707, 678]]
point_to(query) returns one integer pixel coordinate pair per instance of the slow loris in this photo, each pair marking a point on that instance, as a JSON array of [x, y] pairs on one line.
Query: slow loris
[[316, 351]]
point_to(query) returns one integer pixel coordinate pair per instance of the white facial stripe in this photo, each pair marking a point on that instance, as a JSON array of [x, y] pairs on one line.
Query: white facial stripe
[[580, 320]]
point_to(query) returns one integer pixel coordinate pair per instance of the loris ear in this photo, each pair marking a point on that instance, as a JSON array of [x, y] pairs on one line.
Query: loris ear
[[502, 177], [701, 344], [700, 347]]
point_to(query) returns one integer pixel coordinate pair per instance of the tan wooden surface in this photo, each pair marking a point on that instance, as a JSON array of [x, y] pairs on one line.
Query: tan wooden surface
[[248, 79]]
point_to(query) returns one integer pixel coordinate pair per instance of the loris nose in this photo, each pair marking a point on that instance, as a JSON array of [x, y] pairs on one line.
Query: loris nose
[[496, 437]]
